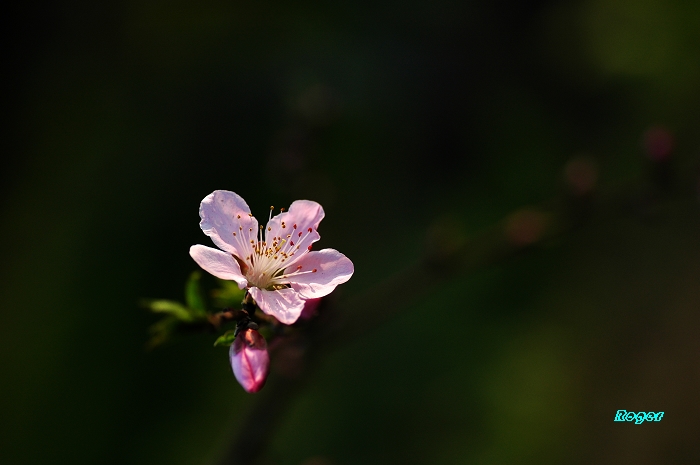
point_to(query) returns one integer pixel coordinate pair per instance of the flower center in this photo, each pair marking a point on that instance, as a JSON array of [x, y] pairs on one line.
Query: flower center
[[267, 257]]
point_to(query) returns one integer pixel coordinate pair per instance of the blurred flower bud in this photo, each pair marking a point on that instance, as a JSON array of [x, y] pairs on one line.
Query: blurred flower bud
[[581, 175], [525, 227], [250, 360], [310, 309], [658, 143]]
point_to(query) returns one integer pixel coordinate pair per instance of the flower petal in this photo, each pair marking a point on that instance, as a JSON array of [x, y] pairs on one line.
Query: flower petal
[[294, 226], [249, 360], [283, 304], [220, 264], [227, 220], [332, 268], [306, 213]]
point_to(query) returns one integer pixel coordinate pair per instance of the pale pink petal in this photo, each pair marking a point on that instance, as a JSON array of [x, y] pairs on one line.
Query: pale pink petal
[[283, 304], [249, 360], [332, 268], [293, 226], [306, 213], [219, 263], [226, 219]]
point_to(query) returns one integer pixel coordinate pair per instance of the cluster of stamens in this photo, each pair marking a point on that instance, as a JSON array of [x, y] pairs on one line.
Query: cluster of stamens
[[269, 257]]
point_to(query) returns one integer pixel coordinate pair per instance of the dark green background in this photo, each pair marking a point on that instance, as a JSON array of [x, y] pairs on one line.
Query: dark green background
[[395, 116]]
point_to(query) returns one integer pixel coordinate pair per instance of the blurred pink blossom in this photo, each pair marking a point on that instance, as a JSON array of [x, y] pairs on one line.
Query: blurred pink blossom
[[310, 309], [658, 143]]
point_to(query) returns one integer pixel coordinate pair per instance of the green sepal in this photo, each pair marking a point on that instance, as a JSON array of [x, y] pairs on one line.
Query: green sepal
[[225, 339], [194, 296]]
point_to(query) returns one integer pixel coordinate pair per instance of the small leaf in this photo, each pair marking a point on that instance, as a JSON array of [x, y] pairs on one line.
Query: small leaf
[[170, 307], [193, 295], [225, 339]]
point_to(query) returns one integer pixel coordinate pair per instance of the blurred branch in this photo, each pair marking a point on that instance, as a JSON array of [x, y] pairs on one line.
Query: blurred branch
[[448, 254]]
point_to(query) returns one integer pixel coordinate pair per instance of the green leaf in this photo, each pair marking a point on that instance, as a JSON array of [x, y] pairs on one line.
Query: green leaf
[[228, 294], [193, 295], [225, 339], [176, 309]]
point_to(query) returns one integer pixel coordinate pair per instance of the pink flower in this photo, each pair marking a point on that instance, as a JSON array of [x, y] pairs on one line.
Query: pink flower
[[250, 360], [274, 263]]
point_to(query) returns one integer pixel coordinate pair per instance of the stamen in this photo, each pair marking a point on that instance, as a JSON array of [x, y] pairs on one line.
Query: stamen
[[296, 273]]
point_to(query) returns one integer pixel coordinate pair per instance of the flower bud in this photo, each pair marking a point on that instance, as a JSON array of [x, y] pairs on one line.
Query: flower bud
[[658, 143], [310, 309], [250, 360]]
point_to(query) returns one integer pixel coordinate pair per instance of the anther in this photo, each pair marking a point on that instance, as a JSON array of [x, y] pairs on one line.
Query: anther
[[309, 229], [309, 247], [238, 216], [295, 225], [299, 234], [314, 270]]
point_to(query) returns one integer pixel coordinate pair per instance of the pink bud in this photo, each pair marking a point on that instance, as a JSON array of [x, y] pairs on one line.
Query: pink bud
[[250, 360], [310, 309]]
